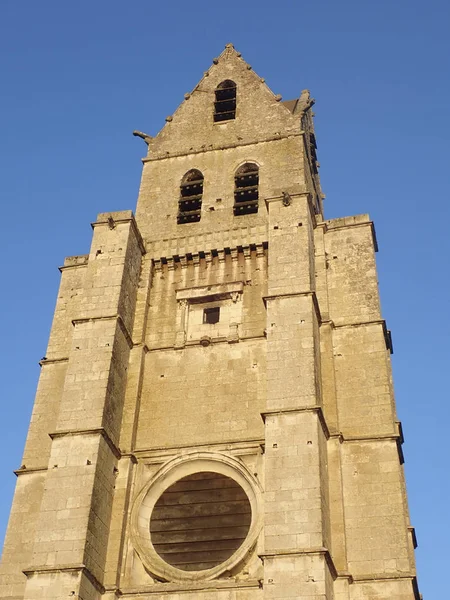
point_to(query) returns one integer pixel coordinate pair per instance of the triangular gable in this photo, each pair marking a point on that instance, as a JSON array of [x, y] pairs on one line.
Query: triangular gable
[[260, 114]]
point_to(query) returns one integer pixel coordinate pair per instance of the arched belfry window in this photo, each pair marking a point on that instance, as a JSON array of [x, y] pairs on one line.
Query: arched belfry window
[[190, 202], [246, 183], [225, 104]]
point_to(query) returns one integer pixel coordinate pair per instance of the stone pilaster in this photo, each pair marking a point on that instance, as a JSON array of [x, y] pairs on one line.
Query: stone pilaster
[[296, 558]]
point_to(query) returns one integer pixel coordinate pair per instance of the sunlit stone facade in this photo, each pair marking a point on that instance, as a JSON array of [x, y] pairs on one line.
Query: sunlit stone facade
[[215, 416]]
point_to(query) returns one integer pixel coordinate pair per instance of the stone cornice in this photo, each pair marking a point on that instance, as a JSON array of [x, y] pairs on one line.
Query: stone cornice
[[195, 343], [368, 438], [371, 578], [222, 147], [386, 332], [53, 361], [185, 260], [24, 470], [205, 586], [74, 262], [236, 446], [118, 318]]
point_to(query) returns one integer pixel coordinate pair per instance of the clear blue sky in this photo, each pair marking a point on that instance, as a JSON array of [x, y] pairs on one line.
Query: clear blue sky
[[78, 77]]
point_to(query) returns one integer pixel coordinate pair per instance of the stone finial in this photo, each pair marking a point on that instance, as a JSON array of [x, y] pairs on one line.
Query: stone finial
[[278, 97], [228, 52], [304, 102]]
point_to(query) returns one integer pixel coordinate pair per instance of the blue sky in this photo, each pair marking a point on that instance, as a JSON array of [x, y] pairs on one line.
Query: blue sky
[[78, 77]]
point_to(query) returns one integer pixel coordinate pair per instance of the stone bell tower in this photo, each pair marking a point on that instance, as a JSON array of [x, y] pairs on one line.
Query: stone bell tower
[[215, 417]]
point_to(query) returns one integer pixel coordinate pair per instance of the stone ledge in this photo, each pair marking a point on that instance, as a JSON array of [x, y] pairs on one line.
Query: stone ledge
[[206, 291], [368, 578], [386, 332], [224, 147], [25, 469], [320, 551], [292, 409], [296, 552], [111, 219], [348, 222], [356, 324], [76, 568], [118, 318], [295, 294], [196, 343], [238, 446], [160, 588], [71, 262], [94, 431], [366, 438], [53, 361], [396, 437]]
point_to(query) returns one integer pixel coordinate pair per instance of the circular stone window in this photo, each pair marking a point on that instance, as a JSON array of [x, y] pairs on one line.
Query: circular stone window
[[197, 517], [200, 521]]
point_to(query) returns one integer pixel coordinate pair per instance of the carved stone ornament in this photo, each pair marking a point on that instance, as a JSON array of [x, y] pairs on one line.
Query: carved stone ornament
[[171, 473]]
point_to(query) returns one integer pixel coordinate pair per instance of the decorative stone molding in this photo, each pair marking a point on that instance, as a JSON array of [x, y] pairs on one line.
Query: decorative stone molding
[[182, 261], [217, 291], [190, 298], [170, 473]]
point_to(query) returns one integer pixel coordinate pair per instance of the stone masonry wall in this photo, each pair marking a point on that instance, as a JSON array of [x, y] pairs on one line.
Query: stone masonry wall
[[288, 389]]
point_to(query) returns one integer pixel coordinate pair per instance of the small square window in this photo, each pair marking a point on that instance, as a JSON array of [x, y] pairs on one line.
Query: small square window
[[211, 315]]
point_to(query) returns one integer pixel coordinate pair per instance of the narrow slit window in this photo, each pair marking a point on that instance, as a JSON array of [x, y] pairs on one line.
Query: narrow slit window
[[211, 316], [225, 104], [190, 201], [246, 193]]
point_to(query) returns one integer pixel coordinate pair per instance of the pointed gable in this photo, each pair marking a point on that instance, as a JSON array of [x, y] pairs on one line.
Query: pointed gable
[[259, 114]]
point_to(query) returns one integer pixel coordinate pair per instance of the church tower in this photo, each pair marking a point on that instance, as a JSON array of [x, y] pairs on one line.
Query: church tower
[[215, 417]]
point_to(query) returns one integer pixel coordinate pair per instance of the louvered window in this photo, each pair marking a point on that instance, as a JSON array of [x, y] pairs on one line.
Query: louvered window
[[225, 104], [246, 183], [200, 521], [190, 202]]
